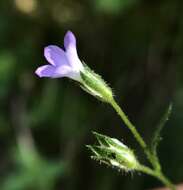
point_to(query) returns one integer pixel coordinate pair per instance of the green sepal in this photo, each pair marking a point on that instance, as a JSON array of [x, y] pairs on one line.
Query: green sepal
[[95, 85]]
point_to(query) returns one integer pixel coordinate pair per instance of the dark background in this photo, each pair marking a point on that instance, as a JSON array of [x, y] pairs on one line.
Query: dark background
[[136, 45]]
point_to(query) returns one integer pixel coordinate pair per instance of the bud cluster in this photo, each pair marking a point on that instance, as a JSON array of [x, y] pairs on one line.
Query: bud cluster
[[114, 153]]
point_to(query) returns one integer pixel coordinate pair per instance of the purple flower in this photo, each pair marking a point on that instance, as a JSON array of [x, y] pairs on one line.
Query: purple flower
[[66, 63], [62, 63]]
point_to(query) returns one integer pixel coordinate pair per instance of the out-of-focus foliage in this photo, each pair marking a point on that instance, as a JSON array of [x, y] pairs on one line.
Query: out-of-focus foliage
[[136, 46], [114, 6]]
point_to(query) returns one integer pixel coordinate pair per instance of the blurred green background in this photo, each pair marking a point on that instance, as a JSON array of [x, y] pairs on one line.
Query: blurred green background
[[136, 45]]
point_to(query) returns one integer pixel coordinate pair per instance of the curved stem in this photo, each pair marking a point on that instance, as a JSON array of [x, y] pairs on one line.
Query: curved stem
[[134, 131], [156, 172], [166, 181], [158, 175]]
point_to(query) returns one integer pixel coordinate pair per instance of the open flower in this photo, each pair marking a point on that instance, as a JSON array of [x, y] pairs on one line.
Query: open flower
[[66, 63], [62, 63]]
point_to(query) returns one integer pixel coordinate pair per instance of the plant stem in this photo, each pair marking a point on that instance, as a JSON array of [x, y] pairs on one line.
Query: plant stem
[[156, 172], [134, 131]]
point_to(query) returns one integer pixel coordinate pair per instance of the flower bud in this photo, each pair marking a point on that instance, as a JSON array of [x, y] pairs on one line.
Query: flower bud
[[113, 153], [95, 85]]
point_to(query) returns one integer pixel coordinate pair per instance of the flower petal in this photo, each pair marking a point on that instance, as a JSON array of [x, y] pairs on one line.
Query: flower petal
[[71, 51], [69, 40], [45, 71], [55, 55], [53, 72]]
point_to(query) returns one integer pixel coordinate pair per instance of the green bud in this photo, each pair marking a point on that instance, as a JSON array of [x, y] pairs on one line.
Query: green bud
[[95, 85], [114, 153]]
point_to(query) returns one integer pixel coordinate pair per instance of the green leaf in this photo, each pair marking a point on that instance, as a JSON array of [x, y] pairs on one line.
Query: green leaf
[[157, 135]]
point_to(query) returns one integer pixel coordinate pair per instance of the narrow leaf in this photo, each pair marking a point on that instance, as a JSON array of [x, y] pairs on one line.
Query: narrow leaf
[[157, 135]]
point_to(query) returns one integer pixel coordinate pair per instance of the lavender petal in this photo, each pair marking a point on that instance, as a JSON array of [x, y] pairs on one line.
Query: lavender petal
[[53, 72], [45, 71], [69, 40], [71, 51], [55, 55]]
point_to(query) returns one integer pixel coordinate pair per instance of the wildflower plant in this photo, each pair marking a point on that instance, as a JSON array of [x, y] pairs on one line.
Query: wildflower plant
[[110, 151]]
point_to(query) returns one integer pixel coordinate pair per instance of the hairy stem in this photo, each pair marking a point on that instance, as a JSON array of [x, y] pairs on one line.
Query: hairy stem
[[157, 174], [157, 171], [134, 131]]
